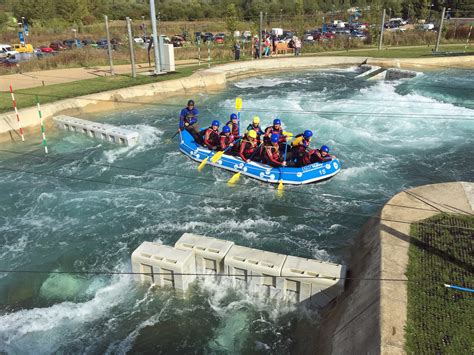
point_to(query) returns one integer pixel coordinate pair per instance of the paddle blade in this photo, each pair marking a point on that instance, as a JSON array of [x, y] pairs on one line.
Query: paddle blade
[[288, 134], [216, 157], [233, 180], [203, 163], [238, 104], [280, 186], [280, 189]]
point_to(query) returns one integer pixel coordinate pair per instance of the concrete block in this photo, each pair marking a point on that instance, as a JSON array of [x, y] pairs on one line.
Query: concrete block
[[209, 252], [312, 281], [164, 266], [101, 131], [259, 270]]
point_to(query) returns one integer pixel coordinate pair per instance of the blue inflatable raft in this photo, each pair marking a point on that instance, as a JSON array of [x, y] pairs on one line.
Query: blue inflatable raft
[[289, 175]]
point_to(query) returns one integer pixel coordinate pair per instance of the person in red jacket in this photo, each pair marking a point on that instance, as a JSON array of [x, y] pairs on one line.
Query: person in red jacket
[[317, 156], [248, 146], [275, 129], [211, 136], [233, 124], [226, 139], [271, 152]]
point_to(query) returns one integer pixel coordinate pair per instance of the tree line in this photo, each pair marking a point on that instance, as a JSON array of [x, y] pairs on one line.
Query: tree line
[[87, 12]]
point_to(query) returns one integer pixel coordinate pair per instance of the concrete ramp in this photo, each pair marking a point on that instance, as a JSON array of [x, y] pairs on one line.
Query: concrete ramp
[[380, 73]]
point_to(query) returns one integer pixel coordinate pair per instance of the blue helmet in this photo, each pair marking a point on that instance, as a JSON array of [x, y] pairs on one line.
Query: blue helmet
[[325, 148], [215, 123], [226, 129], [275, 138], [307, 134], [276, 121], [233, 116]]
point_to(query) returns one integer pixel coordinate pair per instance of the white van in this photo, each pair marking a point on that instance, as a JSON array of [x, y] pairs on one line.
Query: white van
[[7, 51]]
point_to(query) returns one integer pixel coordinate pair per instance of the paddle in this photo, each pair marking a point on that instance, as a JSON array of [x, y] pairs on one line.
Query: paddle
[[219, 154], [238, 107], [168, 141], [236, 176], [280, 184]]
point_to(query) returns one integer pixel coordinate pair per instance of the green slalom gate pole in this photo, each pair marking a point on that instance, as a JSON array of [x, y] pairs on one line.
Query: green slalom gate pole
[[42, 125]]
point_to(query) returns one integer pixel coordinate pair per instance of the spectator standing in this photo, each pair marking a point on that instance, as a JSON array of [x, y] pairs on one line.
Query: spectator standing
[[237, 51], [297, 46]]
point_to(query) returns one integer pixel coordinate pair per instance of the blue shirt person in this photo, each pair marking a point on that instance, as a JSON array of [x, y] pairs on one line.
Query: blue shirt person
[[188, 120]]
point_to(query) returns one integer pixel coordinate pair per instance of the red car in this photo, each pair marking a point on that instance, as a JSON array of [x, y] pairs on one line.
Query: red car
[[328, 35], [46, 49], [219, 38], [57, 46]]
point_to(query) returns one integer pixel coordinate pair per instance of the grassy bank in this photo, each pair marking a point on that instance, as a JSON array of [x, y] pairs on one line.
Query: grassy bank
[[51, 93], [440, 320]]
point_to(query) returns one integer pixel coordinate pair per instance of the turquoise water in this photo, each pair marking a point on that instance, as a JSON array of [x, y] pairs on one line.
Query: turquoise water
[[388, 136]]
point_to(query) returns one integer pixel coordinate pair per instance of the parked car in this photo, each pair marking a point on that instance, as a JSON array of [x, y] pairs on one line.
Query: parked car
[[116, 42], [23, 48], [219, 38], [88, 42], [9, 62], [177, 41], [327, 35], [102, 43], [7, 51], [288, 34], [308, 37], [358, 34], [138, 40], [72, 43], [57, 46], [45, 49], [208, 37]]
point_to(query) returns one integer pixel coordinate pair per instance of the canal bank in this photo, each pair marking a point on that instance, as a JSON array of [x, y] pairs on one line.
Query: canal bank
[[370, 316], [212, 79]]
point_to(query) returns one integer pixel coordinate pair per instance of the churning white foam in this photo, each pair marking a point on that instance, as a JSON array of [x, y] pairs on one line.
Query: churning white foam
[[149, 138], [42, 330]]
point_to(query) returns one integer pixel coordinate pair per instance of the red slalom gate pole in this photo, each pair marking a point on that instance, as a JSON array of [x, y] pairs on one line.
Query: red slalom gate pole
[[17, 115]]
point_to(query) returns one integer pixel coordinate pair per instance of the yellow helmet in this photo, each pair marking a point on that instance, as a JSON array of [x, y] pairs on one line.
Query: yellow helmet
[[252, 134], [256, 119]]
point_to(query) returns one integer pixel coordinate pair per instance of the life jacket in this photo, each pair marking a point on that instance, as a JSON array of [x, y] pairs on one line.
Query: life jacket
[[234, 128], [271, 154], [211, 138], [225, 141], [257, 129], [271, 130], [247, 148], [300, 144], [313, 157]]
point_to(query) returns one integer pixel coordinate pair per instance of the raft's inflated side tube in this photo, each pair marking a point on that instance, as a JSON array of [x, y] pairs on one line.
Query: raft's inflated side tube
[[289, 175]]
